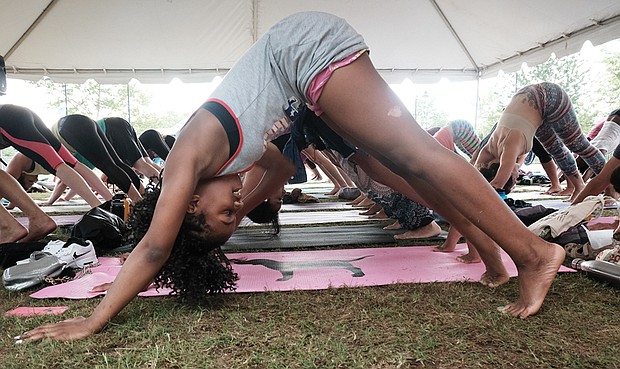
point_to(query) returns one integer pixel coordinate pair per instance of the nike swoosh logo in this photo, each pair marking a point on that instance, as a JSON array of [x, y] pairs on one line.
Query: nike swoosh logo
[[75, 254]]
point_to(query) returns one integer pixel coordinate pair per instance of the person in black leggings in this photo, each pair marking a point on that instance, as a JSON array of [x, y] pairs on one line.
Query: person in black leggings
[[125, 142], [153, 141], [26, 132], [87, 141]]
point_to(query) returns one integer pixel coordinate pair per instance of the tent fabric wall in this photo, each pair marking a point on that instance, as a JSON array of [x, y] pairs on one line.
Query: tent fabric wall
[[114, 41]]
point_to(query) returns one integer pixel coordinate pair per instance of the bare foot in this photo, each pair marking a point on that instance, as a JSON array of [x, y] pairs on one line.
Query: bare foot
[[373, 209], [430, 230], [366, 203], [494, 279], [565, 192], [535, 279], [359, 199], [39, 228], [334, 191], [379, 215], [553, 191], [13, 233], [445, 247], [469, 258], [393, 226]]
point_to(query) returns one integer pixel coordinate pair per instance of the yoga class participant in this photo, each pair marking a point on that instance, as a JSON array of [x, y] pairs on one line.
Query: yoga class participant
[[88, 142], [27, 172], [543, 110], [26, 132], [320, 60], [153, 141], [11, 230]]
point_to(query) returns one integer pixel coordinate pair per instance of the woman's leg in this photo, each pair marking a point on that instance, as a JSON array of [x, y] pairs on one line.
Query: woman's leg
[[125, 143], [450, 243], [330, 170], [152, 140], [72, 179], [87, 138], [386, 130], [496, 273], [93, 181], [39, 223], [29, 135]]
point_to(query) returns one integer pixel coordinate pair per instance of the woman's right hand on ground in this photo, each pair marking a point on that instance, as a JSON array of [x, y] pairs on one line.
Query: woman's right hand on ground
[[67, 330]]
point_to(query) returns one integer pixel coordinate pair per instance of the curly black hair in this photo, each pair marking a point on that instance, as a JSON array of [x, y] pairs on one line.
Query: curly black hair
[[197, 267], [490, 173], [265, 213]]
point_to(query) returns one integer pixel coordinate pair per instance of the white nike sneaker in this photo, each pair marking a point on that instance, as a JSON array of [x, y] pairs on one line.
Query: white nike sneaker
[[77, 253], [53, 247]]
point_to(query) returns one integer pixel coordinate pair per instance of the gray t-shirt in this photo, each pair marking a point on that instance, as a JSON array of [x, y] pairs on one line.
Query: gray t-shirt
[[275, 73]]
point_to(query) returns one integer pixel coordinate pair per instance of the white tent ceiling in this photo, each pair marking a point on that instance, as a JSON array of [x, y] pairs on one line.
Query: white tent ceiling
[[114, 41]]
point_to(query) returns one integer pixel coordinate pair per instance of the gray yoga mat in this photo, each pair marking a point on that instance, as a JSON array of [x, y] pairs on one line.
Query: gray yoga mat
[[317, 206], [304, 237], [325, 217]]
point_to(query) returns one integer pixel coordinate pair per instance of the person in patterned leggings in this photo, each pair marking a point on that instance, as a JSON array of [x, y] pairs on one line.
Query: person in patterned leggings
[[543, 110]]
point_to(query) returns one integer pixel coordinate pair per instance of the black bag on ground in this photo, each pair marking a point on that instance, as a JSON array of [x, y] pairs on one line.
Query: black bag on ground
[[11, 253], [104, 229], [530, 215]]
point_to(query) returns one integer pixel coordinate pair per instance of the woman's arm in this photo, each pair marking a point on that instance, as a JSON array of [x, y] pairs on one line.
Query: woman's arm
[[93, 181], [19, 164], [270, 173], [507, 162], [59, 188], [201, 150]]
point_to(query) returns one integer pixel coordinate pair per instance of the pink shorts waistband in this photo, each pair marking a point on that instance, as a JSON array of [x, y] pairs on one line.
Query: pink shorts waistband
[[318, 82]]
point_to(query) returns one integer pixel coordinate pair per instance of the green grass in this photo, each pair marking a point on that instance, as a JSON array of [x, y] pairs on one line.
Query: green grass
[[436, 325]]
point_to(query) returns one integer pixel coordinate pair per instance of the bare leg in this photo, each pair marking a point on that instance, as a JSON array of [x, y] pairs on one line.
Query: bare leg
[[386, 130], [72, 179], [10, 229], [577, 185], [330, 170], [93, 181], [134, 194], [472, 257], [496, 273], [552, 173], [145, 168], [373, 209], [68, 196], [449, 244], [39, 223]]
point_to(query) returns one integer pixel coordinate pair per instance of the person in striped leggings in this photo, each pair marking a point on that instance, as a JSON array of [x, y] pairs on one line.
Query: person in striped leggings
[[459, 133]]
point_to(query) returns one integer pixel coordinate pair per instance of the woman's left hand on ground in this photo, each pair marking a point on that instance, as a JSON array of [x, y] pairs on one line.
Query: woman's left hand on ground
[[67, 330]]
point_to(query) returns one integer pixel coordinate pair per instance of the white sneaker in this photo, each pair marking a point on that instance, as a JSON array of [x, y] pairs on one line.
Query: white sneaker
[[53, 247], [77, 253]]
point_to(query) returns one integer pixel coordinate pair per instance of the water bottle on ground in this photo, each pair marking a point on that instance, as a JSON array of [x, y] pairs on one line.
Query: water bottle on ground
[[603, 270]]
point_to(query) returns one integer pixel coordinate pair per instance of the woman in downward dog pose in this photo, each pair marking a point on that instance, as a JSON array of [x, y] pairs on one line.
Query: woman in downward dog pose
[[543, 110], [318, 59], [26, 132]]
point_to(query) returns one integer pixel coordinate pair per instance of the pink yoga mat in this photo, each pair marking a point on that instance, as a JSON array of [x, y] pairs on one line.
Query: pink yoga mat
[[314, 270]]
